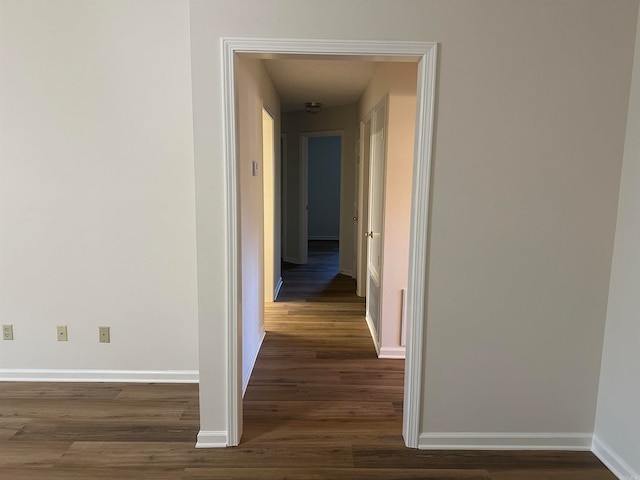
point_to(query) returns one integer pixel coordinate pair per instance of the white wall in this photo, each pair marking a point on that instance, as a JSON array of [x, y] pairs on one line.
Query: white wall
[[617, 429], [396, 81], [324, 187], [530, 125], [336, 118], [254, 91], [97, 207]]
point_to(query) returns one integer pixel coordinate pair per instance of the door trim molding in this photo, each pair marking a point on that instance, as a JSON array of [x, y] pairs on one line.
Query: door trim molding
[[425, 54], [419, 246]]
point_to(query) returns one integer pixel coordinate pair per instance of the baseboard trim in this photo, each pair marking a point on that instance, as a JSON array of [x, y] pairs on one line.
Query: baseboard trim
[[372, 331], [82, 375], [254, 357], [211, 439], [613, 461], [292, 260], [348, 273], [393, 352], [277, 290], [323, 237], [504, 441]]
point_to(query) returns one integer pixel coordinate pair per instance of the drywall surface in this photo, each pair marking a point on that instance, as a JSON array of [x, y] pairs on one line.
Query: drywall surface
[[397, 83], [531, 111], [324, 188], [330, 119], [254, 91], [97, 201], [618, 417]]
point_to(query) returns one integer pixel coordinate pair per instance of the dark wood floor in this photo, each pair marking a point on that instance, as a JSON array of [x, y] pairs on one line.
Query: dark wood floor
[[319, 406]]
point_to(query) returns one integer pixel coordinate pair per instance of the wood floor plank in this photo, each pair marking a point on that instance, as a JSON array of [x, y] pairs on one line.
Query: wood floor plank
[[39, 454], [177, 392], [330, 474], [48, 391], [107, 430], [84, 473], [374, 456], [183, 455], [10, 425], [326, 411], [76, 408], [556, 474]]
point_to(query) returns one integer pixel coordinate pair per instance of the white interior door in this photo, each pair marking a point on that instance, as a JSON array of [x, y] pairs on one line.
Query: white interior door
[[268, 203], [375, 220], [363, 207]]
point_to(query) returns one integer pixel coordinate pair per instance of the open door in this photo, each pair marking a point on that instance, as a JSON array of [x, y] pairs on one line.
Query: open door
[[269, 206], [363, 207], [375, 221]]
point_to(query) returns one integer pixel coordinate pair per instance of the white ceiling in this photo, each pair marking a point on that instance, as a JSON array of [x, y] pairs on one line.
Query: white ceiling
[[330, 82]]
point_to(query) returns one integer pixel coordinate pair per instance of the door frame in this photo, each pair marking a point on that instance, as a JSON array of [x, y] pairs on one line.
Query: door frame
[[303, 203], [269, 205], [425, 54], [363, 201]]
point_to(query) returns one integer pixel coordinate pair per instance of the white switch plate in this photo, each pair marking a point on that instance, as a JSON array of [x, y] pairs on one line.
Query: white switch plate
[[7, 332], [62, 333], [105, 334]]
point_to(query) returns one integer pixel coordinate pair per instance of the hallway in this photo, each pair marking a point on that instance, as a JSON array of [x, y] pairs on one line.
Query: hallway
[[317, 376]]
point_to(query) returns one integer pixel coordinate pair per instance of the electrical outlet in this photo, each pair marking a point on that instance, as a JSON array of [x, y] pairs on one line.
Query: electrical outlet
[[62, 333], [105, 334], [7, 332]]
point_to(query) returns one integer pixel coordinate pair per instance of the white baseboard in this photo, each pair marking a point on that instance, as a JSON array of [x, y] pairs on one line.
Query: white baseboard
[[348, 273], [504, 441], [295, 260], [82, 375], [612, 460], [246, 374], [372, 330], [211, 439], [277, 290], [392, 352], [323, 237]]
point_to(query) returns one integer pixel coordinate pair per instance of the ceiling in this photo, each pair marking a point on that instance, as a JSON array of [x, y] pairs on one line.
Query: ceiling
[[330, 82]]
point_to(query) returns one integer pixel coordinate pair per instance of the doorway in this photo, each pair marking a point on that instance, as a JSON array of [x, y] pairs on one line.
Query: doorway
[[320, 181], [425, 55]]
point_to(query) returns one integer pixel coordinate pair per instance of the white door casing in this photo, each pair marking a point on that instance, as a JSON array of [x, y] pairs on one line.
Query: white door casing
[[268, 205], [425, 53], [363, 206]]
